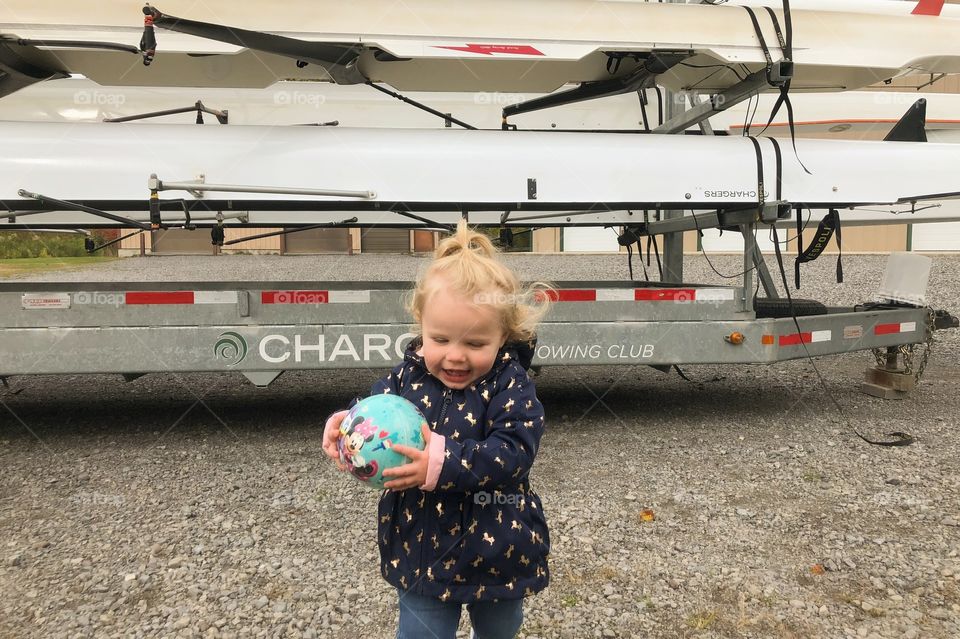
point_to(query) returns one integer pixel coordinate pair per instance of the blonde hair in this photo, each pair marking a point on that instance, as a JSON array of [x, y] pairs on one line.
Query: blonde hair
[[467, 263]]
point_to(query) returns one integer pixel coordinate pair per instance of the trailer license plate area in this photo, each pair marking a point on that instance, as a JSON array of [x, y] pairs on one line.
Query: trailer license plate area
[[44, 301], [852, 332]]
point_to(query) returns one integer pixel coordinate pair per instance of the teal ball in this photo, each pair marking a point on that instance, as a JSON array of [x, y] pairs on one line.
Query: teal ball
[[371, 429]]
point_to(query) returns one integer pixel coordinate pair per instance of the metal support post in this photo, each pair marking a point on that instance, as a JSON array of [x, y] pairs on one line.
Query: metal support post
[[672, 242], [705, 127], [750, 247], [746, 297], [699, 113], [889, 381]]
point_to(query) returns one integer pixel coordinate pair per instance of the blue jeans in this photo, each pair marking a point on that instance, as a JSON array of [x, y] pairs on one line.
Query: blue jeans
[[428, 618]]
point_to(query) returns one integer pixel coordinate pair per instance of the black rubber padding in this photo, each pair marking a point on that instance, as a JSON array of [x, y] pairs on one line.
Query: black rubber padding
[[781, 307]]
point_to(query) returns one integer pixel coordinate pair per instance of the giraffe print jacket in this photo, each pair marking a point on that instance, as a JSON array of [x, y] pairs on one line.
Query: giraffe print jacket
[[480, 534]]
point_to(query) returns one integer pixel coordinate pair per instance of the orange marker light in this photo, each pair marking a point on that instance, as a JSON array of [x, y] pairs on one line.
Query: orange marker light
[[736, 338], [767, 340]]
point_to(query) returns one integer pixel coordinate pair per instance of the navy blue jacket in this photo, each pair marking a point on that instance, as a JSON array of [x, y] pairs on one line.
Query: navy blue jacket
[[481, 533]]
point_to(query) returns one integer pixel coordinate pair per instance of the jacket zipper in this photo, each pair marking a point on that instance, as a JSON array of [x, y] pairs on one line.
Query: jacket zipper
[[428, 503]]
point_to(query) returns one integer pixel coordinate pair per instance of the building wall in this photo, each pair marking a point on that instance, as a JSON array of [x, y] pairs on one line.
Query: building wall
[[263, 245], [199, 241]]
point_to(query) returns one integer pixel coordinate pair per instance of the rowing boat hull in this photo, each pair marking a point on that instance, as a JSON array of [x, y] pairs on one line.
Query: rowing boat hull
[[497, 45], [447, 171]]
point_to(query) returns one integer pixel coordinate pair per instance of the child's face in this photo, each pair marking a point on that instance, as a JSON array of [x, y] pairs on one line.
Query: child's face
[[460, 338]]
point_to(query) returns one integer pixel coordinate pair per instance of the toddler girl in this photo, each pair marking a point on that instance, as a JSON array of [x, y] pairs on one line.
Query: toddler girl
[[460, 524]]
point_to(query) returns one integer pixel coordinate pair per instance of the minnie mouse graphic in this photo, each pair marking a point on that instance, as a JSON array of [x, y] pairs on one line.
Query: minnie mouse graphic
[[353, 437]]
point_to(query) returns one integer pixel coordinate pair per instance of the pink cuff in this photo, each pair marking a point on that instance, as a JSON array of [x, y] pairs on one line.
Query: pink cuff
[[436, 450]]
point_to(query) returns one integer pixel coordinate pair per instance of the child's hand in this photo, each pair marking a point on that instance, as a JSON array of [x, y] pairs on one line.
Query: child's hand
[[331, 434], [414, 474]]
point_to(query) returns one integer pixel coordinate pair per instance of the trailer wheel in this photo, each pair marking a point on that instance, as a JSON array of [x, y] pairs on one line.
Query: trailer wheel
[[777, 308]]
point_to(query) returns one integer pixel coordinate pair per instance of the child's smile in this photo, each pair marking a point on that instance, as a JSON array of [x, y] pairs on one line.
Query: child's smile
[[460, 338]]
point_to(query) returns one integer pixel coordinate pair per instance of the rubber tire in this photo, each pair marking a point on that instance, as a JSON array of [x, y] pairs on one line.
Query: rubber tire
[[778, 308]]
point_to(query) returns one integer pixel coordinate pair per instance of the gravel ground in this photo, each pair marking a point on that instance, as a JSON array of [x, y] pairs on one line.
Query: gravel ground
[[198, 505]]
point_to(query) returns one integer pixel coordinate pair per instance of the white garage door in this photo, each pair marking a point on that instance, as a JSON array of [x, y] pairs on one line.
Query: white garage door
[[374, 240], [945, 236], [936, 237], [590, 239], [318, 241], [182, 242], [732, 241]]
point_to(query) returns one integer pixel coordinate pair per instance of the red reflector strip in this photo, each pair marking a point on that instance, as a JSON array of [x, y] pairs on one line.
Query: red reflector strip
[[796, 338], [805, 338], [159, 297], [665, 295], [679, 295], [573, 295], [294, 297], [900, 327]]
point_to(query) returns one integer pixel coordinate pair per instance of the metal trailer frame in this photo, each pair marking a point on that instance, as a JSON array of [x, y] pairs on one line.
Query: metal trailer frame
[[262, 329]]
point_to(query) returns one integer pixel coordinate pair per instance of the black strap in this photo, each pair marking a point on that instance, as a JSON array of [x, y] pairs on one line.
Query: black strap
[[899, 438], [784, 99], [821, 238], [643, 109], [776, 27], [659, 105], [779, 157], [656, 251], [761, 189], [839, 249], [786, 44], [788, 24], [763, 41], [828, 227], [646, 278], [796, 262], [646, 275]]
